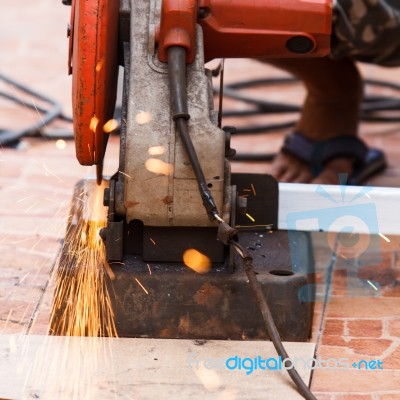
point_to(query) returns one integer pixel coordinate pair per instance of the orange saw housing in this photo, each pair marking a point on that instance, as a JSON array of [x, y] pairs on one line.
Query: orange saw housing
[[231, 28], [93, 60]]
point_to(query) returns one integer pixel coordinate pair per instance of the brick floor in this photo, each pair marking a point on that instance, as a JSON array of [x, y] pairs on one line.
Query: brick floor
[[36, 183]]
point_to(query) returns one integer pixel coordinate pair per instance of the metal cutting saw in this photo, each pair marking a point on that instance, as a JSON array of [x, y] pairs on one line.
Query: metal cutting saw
[[174, 190]]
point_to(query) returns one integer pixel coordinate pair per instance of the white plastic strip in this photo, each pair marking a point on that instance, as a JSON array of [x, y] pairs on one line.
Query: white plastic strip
[[337, 208], [64, 368]]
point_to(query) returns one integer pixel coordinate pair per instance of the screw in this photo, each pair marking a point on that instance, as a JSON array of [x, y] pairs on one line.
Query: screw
[[300, 44], [203, 12]]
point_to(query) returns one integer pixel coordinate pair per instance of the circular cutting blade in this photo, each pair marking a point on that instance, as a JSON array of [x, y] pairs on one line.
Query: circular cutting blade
[[94, 61]]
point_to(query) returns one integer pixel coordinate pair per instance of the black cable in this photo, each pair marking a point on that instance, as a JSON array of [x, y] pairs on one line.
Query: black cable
[[273, 333], [371, 109], [54, 133], [370, 104], [47, 116], [178, 88]]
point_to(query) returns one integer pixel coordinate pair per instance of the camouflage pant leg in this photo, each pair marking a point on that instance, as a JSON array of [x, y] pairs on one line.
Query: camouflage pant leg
[[367, 30]]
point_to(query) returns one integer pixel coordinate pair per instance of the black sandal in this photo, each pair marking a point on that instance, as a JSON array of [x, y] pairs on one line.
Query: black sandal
[[367, 162]]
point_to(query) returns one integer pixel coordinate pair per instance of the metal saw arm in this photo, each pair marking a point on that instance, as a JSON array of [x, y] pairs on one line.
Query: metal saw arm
[[156, 186], [242, 28], [239, 28]]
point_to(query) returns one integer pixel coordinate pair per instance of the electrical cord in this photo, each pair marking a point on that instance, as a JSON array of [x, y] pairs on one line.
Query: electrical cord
[[247, 263], [369, 107], [178, 87], [372, 108], [177, 73], [10, 138], [226, 233]]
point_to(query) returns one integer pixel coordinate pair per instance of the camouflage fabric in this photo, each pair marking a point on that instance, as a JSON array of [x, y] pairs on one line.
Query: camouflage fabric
[[367, 30]]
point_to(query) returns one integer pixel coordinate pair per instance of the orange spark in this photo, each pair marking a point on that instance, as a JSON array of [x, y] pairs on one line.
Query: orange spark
[[197, 261], [144, 289], [250, 217], [123, 173], [82, 305], [99, 65], [61, 144], [93, 123], [156, 150], [159, 167], [384, 237], [143, 117], [110, 125]]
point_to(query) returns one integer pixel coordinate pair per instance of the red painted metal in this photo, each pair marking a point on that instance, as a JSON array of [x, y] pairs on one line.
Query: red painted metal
[[261, 28], [243, 28], [240, 28], [177, 28], [94, 63]]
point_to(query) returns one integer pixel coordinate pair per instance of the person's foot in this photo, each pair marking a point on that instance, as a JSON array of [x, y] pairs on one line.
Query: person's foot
[[288, 168], [333, 169], [331, 109]]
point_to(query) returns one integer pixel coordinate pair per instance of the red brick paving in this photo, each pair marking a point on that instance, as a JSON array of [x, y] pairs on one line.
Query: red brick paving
[[365, 328], [36, 184]]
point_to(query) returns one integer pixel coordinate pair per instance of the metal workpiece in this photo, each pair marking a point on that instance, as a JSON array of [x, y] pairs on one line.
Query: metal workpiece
[[160, 188], [168, 300], [112, 235], [154, 297]]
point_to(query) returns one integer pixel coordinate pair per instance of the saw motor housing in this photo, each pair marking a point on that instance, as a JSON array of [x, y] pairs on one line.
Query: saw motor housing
[[155, 210], [155, 186]]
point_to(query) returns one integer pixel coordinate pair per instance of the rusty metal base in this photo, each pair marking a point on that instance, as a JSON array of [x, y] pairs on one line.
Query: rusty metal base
[[180, 303], [169, 300]]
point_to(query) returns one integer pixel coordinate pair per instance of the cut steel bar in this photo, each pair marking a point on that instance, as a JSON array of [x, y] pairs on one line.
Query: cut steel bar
[[334, 208]]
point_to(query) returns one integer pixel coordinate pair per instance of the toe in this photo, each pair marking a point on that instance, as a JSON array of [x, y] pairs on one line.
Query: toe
[[304, 176], [278, 167], [331, 173], [290, 175], [326, 177], [287, 168]]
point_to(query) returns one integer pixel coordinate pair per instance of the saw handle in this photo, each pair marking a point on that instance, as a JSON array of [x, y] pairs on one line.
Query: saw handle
[[177, 28]]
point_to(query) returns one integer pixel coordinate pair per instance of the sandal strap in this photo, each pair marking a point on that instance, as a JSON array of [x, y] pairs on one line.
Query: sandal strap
[[323, 151]]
